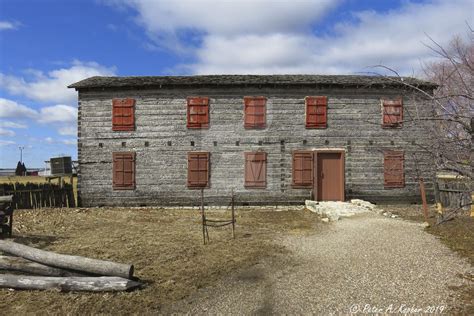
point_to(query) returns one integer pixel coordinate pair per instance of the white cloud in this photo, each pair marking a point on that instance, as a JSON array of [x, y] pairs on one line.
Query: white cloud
[[52, 87], [71, 142], [58, 114], [229, 17], [9, 108], [166, 21], [49, 140], [6, 25], [9, 124], [6, 132], [279, 37], [6, 142], [68, 130]]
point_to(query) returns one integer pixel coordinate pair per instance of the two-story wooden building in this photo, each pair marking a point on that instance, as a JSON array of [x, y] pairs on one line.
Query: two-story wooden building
[[277, 139]]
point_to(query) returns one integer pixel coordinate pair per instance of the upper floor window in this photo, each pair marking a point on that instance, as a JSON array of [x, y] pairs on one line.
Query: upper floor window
[[392, 112], [123, 114], [255, 112], [316, 112], [198, 112]]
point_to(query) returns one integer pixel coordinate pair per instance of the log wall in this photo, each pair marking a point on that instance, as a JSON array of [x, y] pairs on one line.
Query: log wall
[[354, 124]]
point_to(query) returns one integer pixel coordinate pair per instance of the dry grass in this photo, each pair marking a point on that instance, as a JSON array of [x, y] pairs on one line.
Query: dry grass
[[165, 246]]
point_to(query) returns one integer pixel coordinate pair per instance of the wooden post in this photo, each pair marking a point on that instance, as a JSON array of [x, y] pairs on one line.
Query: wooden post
[[233, 216], [439, 204], [472, 204], [203, 217], [423, 199]]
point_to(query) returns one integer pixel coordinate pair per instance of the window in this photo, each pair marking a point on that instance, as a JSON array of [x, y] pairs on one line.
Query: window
[[123, 114], [123, 170], [198, 112], [255, 111], [316, 112], [255, 170], [302, 169], [392, 113], [393, 169], [198, 169]]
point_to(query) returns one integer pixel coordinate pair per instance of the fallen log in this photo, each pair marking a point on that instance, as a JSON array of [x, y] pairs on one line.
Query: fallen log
[[17, 264], [66, 284], [77, 263]]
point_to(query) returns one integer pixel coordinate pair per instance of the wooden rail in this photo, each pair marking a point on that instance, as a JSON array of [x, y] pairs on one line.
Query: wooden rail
[[34, 195], [454, 193]]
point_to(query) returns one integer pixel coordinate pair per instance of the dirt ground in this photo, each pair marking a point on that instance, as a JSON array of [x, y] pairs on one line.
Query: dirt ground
[[457, 234], [165, 246]]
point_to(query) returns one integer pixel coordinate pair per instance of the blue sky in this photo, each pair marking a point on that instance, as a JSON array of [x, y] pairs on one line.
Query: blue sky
[[47, 44]]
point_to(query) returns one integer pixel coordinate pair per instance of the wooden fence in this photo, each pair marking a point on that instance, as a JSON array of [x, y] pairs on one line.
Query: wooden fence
[[454, 193], [38, 195]]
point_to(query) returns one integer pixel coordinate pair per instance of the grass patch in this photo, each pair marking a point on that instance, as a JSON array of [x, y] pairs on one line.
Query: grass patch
[[165, 245]]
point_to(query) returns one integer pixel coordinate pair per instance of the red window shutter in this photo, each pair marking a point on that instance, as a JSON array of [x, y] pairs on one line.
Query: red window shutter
[[123, 170], [255, 170], [394, 176], [255, 112], [316, 112], [198, 169], [198, 112], [302, 169], [392, 113], [123, 114]]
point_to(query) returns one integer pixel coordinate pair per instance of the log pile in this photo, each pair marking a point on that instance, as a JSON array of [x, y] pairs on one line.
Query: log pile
[[48, 270]]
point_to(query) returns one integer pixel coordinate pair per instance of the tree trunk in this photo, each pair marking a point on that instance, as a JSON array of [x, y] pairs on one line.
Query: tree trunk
[[65, 284], [69, 262], [27, 266]]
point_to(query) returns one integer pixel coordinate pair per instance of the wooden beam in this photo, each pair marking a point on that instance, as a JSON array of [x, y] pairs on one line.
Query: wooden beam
[[77, 263], [66, 284], [8, 263]]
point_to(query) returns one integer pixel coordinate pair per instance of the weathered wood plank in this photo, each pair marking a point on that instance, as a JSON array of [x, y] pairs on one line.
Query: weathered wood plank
[[77, 263], [67, 284]]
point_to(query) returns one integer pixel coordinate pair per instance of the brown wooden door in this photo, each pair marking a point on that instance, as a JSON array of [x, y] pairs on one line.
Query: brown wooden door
[[329, 176]]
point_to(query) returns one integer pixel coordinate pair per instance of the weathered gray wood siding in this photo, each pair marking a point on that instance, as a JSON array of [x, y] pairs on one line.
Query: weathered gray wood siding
[[354, 124]]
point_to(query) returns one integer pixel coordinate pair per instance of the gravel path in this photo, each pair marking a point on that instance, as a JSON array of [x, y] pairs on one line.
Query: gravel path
[[366, 263]]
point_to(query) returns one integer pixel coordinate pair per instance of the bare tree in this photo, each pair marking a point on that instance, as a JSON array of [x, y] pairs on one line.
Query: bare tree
[[451, 119], [453, 104]]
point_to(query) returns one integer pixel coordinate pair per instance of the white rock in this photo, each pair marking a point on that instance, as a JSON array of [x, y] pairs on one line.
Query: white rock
[[334, 210], [363, 203], [325, 220]]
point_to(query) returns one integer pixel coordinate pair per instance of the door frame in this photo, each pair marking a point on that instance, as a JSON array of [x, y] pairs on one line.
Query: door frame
[[342, 152]]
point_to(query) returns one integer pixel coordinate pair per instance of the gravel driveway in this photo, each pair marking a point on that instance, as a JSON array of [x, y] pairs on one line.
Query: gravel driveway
[[366, 264]]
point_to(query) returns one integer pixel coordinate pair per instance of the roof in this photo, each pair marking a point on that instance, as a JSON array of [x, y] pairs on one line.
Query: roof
[[251, 80]]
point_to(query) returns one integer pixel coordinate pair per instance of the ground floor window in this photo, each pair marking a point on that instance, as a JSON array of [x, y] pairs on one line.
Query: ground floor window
[[255, 170], [198, 169], [123, 170]]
